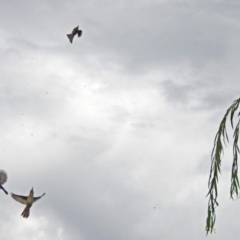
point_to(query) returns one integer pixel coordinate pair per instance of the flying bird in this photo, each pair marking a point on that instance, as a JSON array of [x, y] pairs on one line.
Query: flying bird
[[27, 200], [3, 179], [74, 32]]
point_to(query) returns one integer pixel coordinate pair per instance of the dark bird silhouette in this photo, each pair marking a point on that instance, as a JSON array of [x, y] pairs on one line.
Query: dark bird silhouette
[[27, 200], [3, 179], [74, 32]]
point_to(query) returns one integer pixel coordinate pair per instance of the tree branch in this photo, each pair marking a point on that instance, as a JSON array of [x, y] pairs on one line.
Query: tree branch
[[216, 158]]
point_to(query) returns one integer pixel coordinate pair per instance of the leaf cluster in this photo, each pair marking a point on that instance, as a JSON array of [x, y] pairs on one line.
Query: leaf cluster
[[216, 158]]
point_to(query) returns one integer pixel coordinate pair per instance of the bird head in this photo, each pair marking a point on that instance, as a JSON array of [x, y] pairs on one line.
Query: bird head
[[31, 192]]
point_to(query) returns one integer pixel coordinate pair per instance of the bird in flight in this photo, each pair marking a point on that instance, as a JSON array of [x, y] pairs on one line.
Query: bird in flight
[[26, 200], [74, 32], [3, 179]]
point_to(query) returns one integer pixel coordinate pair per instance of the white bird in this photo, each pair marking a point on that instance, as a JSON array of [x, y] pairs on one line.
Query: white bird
[[74, 32], [3, 179], [27, 200]]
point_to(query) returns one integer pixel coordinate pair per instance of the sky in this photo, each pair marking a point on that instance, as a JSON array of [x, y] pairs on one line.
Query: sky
[[117, 128]]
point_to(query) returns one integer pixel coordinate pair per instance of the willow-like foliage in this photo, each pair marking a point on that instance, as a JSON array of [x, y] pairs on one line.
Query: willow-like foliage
[[215, 169]]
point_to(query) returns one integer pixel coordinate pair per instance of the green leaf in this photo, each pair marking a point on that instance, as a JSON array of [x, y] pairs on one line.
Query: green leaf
[[232, 115], [216, 158]]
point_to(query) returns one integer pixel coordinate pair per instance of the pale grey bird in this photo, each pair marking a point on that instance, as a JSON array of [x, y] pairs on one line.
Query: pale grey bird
[[74, 32], [27, 200], [3, 179]]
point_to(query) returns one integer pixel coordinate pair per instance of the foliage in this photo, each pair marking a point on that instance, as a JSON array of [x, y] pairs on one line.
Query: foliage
[[215, 169]]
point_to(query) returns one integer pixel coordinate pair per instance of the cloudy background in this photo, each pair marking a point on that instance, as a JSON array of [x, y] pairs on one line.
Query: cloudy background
[[118, 127]]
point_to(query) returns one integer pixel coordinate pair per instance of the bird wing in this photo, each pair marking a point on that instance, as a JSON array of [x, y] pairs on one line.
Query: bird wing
[[21, 199], [79, 33], [75, 30], [37, 198]]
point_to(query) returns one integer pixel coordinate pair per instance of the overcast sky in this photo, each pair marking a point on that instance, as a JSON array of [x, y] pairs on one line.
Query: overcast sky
[[118, 127]]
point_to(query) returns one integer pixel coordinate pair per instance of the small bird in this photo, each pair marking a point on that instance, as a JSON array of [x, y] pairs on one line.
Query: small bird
[[74, 32], [3, 179], [27, 200]]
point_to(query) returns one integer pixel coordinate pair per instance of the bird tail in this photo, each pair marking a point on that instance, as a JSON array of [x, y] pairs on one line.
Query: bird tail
[[26, 211], [70, 36], [3, 189]]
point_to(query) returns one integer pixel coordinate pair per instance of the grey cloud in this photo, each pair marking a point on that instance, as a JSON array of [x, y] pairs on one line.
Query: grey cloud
[[199, 95], [145, 36], [108, 153]]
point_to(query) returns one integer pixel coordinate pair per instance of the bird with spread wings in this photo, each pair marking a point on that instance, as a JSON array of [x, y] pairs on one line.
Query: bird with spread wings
[[74, 32], [26, 200]]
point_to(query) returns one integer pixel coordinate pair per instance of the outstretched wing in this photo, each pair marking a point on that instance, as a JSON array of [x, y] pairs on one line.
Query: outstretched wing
[[37, 198], [79, 33], [75, 30], [21, 199]]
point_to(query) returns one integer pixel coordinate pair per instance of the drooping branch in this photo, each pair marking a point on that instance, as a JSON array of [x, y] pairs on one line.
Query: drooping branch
[[216, 158]]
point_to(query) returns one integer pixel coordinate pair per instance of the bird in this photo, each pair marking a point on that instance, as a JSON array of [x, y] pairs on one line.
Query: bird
[[3, 179], [74, 32], [27, 200]]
